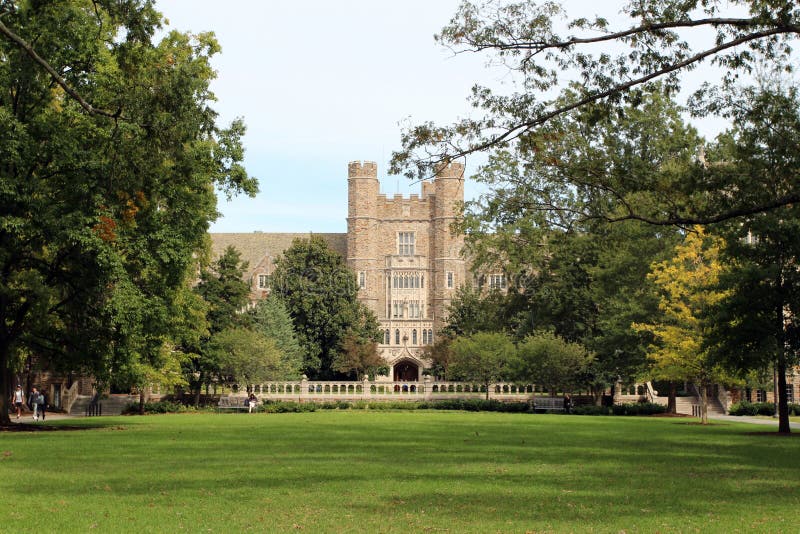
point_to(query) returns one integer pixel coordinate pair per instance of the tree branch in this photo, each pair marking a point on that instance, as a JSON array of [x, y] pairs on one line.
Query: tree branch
[[19, 41], [514, 131]]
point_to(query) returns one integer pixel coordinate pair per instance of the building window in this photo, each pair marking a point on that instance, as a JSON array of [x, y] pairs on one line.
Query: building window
[[761, 395], [362, 280], [790, 393], [430, 336], [397, 308], [497, 281], [414, 337], [405, 243], [449, 279], [263, 281], [386, 337], [397, 337], [424, 337]]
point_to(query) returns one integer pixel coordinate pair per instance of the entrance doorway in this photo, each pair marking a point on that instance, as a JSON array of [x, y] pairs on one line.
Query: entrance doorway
[[406, 371]]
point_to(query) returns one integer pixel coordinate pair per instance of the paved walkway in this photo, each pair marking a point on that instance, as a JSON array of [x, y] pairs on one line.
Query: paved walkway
[[754, 420]]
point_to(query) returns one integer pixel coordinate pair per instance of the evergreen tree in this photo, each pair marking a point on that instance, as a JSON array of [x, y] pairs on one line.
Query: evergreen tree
[[320, 292]]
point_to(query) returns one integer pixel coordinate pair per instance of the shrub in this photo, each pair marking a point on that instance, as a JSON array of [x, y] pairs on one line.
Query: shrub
[[638, 408], [591, 410], [164, 406], [752, 408]]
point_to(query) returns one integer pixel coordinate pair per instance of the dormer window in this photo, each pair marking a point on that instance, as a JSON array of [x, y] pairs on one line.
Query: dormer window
[[263, 281]]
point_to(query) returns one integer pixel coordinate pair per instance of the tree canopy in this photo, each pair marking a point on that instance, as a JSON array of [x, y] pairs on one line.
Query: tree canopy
[[585, 67], [320, 292], [102, 216]]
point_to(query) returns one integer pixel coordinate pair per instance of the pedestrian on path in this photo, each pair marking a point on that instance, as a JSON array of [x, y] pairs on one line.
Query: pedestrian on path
[[17, 398], [42, 404], [33, 402]]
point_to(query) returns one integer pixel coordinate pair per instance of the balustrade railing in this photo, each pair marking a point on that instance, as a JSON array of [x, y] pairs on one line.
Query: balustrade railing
[[365, 389]]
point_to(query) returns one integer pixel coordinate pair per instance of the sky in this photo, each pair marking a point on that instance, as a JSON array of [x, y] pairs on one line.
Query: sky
[[321, 83]]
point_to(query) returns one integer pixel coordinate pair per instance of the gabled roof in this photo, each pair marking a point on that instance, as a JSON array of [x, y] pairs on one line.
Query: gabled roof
[[255, 246]]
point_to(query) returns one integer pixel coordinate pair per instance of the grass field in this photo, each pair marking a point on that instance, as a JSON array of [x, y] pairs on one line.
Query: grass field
[[367, 471]]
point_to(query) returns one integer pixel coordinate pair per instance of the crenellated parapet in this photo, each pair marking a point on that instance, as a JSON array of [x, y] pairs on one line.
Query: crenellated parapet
[[367, 169], [450, 170]]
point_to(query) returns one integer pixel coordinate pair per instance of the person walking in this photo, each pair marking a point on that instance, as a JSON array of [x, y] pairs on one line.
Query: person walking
[[17, 398], [42, 404], [33, 402]]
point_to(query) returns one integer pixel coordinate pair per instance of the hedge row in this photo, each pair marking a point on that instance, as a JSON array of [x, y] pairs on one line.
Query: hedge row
[[635, 408], [759, 408], [467, 405]]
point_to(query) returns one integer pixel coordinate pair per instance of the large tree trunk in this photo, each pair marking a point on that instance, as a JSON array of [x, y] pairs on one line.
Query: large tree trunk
[[783, 404], [6, 380], [780, 369], [704, 403], [672, 403]]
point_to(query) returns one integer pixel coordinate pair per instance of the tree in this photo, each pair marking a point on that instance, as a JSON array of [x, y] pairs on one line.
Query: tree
[[484, 357], [102, 216], [226, 296], [472, 310], [567, 272], [320, 292], [687, 283], [440, 354], [244, 356], [358, 357], [657, 42], [271, 319], [225, 291], [757, 324], [550, 361]]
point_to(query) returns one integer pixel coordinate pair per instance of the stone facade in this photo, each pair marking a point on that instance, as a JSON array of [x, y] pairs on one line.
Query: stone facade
[[407, 261]]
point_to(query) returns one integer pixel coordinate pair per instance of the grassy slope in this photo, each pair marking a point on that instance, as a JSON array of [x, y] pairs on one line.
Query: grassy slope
[[399, 472]]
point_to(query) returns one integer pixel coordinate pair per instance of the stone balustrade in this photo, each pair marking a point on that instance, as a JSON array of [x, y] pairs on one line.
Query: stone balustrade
[[428, 389]]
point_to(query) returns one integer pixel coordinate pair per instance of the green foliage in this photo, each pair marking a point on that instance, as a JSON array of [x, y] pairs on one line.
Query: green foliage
[[245, 357], [226, 293], [638, 408], [103, 217], [752, 408], [358, 357], [591, 410], [159, 407], [320, 292], [484, 357], [271, 319], [552, 362]]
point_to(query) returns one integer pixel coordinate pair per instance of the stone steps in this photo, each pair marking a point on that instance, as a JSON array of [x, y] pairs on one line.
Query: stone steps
[[111, 405]]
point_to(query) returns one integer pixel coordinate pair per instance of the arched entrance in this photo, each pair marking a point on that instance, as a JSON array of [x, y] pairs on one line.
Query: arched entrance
[[406, 371]]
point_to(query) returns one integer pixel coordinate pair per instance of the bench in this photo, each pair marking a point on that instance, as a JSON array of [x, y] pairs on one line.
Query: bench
[[549, 404], [233, 404]]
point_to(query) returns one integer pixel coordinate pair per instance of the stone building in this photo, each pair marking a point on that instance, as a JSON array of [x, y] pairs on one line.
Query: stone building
[[407, 261]]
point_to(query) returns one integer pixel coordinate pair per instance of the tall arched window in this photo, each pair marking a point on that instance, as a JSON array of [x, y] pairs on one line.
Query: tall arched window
[[397, 337], [386, 337], [424, 337], [430, 336], [414, 337]]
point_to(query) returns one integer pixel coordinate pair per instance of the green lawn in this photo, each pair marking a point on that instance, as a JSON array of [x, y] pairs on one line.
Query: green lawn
[[367, 471]]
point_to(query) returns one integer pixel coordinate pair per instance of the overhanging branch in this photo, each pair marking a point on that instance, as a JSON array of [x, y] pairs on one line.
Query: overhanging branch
[[24, 45]]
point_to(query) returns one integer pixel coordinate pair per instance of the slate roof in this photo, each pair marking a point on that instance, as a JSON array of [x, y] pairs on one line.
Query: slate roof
[[255, 246]]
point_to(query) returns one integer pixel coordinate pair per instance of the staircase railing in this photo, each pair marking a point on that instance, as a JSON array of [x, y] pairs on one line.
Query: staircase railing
[[70, 396]]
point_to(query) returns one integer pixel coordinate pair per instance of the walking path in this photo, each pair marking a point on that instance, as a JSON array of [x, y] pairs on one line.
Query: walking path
[[753, 420]]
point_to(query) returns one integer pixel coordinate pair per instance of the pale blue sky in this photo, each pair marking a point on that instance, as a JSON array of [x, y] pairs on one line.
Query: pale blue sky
[[321, 83]]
